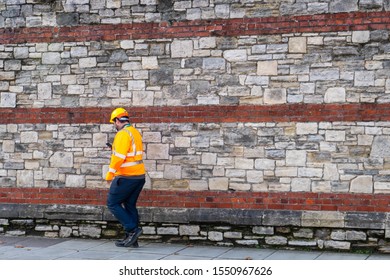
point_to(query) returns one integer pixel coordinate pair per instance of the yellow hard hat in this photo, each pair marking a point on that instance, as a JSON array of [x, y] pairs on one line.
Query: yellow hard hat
[[119, 113]]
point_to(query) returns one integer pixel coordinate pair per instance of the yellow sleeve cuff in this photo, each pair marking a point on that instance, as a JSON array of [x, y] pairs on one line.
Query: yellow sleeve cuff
[[109, 176]]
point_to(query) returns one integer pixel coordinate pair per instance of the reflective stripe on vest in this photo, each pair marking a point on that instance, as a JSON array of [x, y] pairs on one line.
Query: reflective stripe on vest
[[132, 154], [115, 153], [139, 153], [128, 164]]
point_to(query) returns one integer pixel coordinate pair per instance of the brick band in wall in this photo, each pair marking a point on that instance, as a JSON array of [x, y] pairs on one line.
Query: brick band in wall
[[207, 199], [201, 28], [205, 114]]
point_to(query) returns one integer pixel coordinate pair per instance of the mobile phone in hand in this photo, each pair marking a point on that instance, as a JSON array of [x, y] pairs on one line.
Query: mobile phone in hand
[[109, 145]]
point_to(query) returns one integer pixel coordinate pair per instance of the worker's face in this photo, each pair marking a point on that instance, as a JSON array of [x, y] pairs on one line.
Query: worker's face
[[118, 125]]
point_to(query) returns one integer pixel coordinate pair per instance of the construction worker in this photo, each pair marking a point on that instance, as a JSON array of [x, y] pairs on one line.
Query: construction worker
[[127, 175]]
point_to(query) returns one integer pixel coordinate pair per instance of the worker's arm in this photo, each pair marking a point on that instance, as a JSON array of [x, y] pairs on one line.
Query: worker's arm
[[120, 149]]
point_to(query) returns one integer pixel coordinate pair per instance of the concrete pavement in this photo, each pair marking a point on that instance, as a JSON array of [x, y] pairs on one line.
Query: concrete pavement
[[40, 248]]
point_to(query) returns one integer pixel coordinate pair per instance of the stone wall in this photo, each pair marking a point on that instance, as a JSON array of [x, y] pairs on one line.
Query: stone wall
[[236, 97], [337, 67], [32, 13], [326, 230], [298, 157]]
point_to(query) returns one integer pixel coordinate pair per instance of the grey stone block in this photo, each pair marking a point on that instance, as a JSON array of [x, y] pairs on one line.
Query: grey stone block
[[145, 214], [14, 165], [161, 77], [370, 5], [341, 245], [386, 5], [170, 215], [282, 218], [292, 9], [118, 56], [68, 19], [229, 216], [189, 230], [168, 231], [380, 147], [324, 74], [246, 217], [246, 136], [327, 219], [74, 212], [11, 210], [263, 230], [214, 63], [356, 235], [303, 243], [276, 240], [31, 211], [23, 222], [90, 231], [7, 182], [365, 220], [338, 6], [209, 215]]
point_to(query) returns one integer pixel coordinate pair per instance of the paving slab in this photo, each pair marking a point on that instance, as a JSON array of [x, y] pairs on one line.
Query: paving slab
[[78, 244], [379, 257], [90, 255], [188, 258], [134, 255], [247, 254], [109, 246], [37, 242], [160, 248], [293, 255], [12, 253], [50, 254], [342, 256], [207, 252], [41, 248]]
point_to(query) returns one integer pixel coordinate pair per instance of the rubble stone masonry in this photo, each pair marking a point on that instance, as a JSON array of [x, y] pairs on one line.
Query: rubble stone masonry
[[265, 123]]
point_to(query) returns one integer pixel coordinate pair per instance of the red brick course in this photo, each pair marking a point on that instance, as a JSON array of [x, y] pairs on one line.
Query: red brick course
[[207, 199], [204, 114], [200, 28]]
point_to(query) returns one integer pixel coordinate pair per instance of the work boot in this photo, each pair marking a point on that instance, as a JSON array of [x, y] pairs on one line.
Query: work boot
[[132, 237], [121, 240], [119, 243]]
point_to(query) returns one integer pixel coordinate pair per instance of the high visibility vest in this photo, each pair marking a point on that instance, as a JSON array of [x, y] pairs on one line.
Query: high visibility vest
[[127, 153]]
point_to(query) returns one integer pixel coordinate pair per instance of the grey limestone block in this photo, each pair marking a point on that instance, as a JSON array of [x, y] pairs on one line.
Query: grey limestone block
[[74, 212], [67, 19], [365, 220], [282, 218]]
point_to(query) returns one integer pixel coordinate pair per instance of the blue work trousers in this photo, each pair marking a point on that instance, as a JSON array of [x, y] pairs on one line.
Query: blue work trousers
[[122, 199]]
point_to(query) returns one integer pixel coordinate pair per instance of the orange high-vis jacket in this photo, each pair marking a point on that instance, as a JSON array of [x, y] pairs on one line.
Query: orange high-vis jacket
[[127, 152]]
